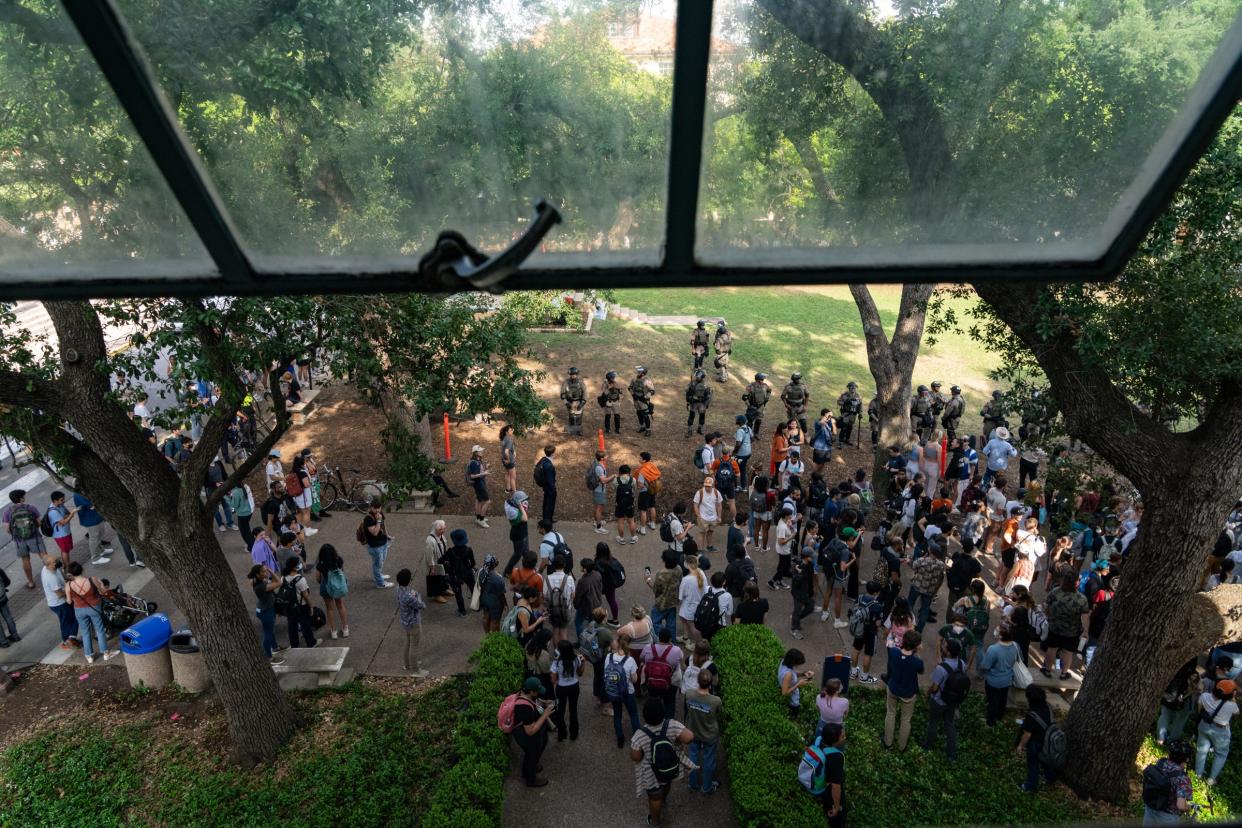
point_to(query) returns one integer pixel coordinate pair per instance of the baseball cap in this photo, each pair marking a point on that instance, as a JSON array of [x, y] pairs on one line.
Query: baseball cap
[[476, 448], [532, 685], [849, 533], [274, 453], [1100, 565], [1227, 686], [739, 419]]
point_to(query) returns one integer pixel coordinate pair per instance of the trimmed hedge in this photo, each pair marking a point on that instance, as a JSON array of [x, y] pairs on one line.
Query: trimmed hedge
[[762, 745], [471, 793]]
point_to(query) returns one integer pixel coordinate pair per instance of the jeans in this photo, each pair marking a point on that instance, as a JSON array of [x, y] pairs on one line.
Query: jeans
[[663, 619], [1089, 651], [130, 556], [924, 603], [267, 617], [937, 714], [802, 607], [703, 754], [1033, 767], [630, 705], [580, 619], [227, 519], [7, 616], [89, 617], [409, 656], [997, 699], [566, 702], [1217, 738], [68, 621], [1172, 721], [378, 554], [300, 622], [893, 706], [1152, 817]]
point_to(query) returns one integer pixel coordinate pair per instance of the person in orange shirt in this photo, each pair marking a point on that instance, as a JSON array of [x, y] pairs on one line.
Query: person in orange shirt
[[1009, 543], [780, 448], [527, 575], [647, 476]]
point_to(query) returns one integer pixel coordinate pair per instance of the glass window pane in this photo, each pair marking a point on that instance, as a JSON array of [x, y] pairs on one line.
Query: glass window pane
[[79, 195], [364, 129], [938, 131]]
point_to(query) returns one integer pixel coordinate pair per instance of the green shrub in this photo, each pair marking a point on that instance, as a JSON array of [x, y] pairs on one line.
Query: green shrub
[[470, 795]]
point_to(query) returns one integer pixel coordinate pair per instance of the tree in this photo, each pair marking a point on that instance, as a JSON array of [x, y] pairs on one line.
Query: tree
[[1090, 366]]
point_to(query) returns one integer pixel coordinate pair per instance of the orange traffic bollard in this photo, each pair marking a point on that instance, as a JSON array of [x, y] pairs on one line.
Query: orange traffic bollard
[[448, 448], [601, 439]]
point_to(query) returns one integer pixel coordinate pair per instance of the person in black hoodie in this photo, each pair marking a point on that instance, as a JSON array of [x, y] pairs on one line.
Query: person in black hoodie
[[459, 566]]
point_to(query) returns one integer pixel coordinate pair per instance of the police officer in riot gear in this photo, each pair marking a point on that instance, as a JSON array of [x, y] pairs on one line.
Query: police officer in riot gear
[[699, 339], [756, 398], [921, 412], [698, 398], [573, 392], [954, 407], [795, 396], [850, 406], [610, 401], [994, 416], [938, 399], [642, 391], [723, 345], [873, 420]]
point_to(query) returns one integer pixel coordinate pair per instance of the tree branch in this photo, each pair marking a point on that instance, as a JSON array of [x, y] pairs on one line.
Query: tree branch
[[28, 391], [908, 332], [814, 167], [38, 29], [873, 327]]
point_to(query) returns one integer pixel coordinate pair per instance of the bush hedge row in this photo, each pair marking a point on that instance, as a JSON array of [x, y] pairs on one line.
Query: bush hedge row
[[762, 745], [470, 794]]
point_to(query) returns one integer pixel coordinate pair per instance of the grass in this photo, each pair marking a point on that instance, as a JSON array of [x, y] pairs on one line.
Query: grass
[[365, 754], [813, 330]]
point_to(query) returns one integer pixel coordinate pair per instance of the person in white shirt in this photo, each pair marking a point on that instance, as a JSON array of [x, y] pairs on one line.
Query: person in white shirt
[[142, 411], [707, 505], [693, 585], [723, 597], [274, 471], [564, 581], [679, 526], [786, 533], [547, 546], [790, 466]]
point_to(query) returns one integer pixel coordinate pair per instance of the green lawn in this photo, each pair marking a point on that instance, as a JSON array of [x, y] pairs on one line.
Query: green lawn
[[361, 753], [816, 331]]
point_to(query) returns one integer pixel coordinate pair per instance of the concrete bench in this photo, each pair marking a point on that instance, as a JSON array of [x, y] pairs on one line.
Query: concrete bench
[[323, 662], [301, 411], [1057, 704], [419, 503]]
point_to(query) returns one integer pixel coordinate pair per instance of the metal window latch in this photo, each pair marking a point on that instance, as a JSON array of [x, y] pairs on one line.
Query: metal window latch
[[454, 261]]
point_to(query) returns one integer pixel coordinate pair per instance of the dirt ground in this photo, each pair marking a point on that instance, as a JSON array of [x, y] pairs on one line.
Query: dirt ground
[[345, 432]]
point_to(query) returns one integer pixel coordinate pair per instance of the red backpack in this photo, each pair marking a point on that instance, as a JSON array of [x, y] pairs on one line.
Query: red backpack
[[506, 716], [293, 484], [659, 671]]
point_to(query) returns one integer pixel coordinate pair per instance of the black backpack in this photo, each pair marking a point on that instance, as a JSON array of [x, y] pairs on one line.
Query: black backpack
[[956, 686], [625, 491], [707, 616], [560, 548], [1157, 789], [541, 473], [286, 598], [666, 529], [664, 761], [726, 480]]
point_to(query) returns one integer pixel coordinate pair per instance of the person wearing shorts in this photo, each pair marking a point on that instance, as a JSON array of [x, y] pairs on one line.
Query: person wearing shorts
[[600, 493], [24, 547], [864, 645], [61, 517], [476, 476]]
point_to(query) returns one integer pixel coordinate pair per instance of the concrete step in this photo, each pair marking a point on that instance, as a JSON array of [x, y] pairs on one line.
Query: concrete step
[[345, 676]]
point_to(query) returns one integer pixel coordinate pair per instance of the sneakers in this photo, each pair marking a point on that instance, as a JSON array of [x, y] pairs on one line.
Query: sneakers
[[838, 624], [310, 530], [633, 540], [420, 674], [221, 529], [867, 678], [332, 635], [621, 540], [385, 585], [854, 673], [601, 530], [798, 634], [345, 632], [772, 584], [100, 561], [318, 641], [651, 524], [642, 530], [276, 660], [111, 654], [482, 521], [824, 616]]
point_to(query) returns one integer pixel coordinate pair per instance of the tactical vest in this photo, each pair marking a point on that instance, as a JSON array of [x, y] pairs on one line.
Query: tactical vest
[[920, 406], [850, 405], [992, 411], [575, 390], [697, 392], [795, 394], [638, 389], [758, 394], [953, 408], [612, 393], [699, 338], [724, 343]]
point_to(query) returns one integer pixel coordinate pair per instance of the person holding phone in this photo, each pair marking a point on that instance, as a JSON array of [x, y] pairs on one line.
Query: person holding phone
[[792, 680], [60, 517], [530, 729]]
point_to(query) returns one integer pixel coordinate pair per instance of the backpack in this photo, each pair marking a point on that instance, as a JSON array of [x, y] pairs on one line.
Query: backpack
[[509, 624], [286, 598], [977, 620], [707, 616], [690, 674], [666, 529], [558, 606], [592, 479], [811, 768], [664, 760], [726, 480], [22, 522], [698, 458], [1039, 623], [659, 672], [859, 616], [506, 716], [588, 643], [45, 524], [560, 548], [1157, 789], [956, 687], [625, 491], [293, 484], [616, 682], [614, 576], [1055, 749], [540, 474], [336, 584], [361, 534]]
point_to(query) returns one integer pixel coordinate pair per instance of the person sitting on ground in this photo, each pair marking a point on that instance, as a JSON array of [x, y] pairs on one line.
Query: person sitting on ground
[[1166, 786]]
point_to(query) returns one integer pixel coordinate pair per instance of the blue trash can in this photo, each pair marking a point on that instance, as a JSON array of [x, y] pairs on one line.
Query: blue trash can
[[147, 659]]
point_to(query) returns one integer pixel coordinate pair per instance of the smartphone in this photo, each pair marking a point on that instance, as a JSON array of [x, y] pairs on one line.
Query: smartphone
[[647, 570]]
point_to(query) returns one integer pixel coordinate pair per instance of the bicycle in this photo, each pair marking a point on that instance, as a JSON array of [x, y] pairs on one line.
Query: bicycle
[[357, 494]]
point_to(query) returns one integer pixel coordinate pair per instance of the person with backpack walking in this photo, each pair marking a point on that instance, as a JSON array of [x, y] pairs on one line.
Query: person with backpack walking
[[727, 474], [1035, 731], [558, 589], [1065, 607], [528, 723], [658, 762], [625, 493], [1167, 792], [56, 525], [21, 521], [545, 478], [612, 573], [301, 488], [333, 587], [660, 662], [597, 480], [1216, 708], [476, 477], [517, 513], [949, 688], [743, 448], [840, 554], [647, 480], [240, 501], [665, 586], [822, 772], [620, 675], [293, 601], [762, 502], [715, 608]]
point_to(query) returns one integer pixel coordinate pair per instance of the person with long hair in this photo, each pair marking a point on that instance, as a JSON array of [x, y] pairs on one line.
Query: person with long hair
[[508, 458], [333, 587], [607, 567], [303, 499], [761, 512], [265, 582], [566, 680], [693, 585], [780, 448]]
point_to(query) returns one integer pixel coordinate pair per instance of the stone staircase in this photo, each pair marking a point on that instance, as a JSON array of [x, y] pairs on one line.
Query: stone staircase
[[630, 315]]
